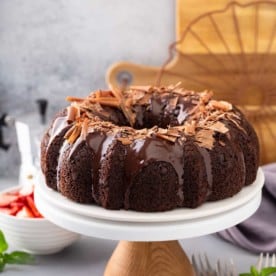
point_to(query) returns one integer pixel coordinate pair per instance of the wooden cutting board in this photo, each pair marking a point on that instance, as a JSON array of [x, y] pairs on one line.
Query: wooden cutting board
[[227, 47]]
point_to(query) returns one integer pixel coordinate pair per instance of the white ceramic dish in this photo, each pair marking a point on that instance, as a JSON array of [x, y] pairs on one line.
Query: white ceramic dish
[[205, 210], [35, 235]]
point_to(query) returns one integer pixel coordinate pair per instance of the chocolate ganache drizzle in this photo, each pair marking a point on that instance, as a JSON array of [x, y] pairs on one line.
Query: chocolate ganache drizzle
[[156, 123]]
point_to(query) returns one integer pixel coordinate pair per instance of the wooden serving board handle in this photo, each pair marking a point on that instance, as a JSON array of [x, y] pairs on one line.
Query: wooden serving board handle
[[134, 74], [149, 259]]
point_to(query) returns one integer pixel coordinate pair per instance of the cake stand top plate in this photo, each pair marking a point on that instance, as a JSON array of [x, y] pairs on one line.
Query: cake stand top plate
[[48, 202], [206, 209]]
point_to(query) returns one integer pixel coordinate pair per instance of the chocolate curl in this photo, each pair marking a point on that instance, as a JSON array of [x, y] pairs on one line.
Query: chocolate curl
[[125, 108]]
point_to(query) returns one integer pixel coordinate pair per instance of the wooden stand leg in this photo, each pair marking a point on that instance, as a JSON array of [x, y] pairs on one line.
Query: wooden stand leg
[[149, 259]]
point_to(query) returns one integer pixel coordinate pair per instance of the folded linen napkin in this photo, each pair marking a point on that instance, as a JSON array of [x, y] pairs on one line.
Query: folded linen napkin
[[258, 233]]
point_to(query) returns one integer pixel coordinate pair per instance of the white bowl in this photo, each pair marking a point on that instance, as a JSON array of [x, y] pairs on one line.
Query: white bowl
[[35, 235]]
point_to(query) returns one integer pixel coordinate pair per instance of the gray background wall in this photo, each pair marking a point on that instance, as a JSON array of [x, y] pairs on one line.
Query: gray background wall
[[54, 48]]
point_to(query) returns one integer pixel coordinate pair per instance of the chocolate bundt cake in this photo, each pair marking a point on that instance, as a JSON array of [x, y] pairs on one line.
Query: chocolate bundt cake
[[149, 149]]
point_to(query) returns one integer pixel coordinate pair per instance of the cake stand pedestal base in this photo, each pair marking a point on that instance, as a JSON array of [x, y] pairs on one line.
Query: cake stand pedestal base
[[149, 258]]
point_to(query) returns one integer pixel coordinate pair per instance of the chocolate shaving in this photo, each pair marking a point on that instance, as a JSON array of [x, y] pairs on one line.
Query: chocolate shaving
[[193, 110], [206, 96], [204, 138], [182, 92], [73, 133], [101, 94], [219, 127], [166, 137], [108, 101], [205, 115], [190, 128], [224, 106], [124, 140], [162, 131], [138, 95], [73, 112], [84, 129], [145, 100], [69, 132], [234, 118], [173, 132], [144, 88], [126, 110], [74, 99]]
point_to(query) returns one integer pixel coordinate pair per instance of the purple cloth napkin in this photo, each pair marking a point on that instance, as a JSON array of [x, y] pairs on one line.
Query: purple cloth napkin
[[258, 233]]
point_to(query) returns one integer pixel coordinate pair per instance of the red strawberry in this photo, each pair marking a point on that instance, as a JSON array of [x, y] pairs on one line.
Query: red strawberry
[[18, 204], [25, 212], [15, 207], [5, 210], [6, 199], [15, 193], [32, 206], [10, 211]]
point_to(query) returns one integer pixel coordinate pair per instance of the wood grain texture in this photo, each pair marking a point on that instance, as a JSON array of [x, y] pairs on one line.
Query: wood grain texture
[[189, 10], [229, 48], [149, 259]]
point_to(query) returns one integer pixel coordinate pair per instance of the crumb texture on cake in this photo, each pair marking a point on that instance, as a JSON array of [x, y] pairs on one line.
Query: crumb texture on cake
[[149, 149]]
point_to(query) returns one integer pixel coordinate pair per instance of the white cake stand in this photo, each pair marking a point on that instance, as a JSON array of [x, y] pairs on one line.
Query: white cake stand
[[149, 240]]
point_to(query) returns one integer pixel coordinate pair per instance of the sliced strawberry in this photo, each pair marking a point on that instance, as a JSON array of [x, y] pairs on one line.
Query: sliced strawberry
[[15, 193], [6, 199], [32, 206], [25, 212], [40, 216], [10, 211], [17, 202], [20, 203], [5, 210], [21, 199], [15, 209]]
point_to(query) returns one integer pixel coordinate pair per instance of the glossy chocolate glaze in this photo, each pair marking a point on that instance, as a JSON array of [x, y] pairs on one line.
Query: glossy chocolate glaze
[[208, 166], [153, 149], [141, 151], [163, 112], [98, 142], [59, 124], [138, 155], [157, 108], [63, 148], [51, 150]]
